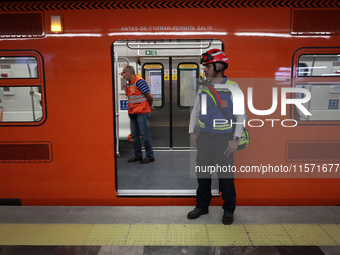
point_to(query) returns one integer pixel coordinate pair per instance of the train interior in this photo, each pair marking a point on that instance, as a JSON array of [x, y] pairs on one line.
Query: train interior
[[171, 69]]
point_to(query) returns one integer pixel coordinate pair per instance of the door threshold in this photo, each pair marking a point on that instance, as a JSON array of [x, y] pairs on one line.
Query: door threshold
[[160, 192]]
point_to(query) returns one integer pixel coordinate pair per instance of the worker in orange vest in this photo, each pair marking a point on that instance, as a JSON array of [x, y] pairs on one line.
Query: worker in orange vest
[[140, 105]]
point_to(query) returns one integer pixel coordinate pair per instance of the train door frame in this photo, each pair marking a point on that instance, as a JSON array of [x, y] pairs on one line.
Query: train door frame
[[122, 49]]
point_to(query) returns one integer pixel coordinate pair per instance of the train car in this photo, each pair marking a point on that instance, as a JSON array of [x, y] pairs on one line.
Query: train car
[[64, 127]]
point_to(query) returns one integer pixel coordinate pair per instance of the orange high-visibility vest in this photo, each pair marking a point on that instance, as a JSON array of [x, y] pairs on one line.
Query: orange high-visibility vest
[[137, 102]]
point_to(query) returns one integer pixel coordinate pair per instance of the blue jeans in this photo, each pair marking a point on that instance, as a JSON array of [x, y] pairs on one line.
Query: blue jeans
[[140, 127]]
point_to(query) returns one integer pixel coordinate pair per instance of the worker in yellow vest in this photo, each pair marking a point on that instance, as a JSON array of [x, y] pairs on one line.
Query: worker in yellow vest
[[215, 144]]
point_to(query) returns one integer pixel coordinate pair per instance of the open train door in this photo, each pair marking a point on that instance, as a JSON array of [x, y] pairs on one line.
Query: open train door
[[171, 69]]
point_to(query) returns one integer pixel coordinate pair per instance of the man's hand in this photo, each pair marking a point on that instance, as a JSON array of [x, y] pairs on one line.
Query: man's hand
[[232, 147], [193, 138]]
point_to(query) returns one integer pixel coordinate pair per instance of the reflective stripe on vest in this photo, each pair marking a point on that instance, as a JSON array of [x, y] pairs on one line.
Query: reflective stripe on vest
[[201, 124], [135, 99]]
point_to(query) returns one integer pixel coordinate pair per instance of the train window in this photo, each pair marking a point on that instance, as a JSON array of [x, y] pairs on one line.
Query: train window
[[21, 88], [323, 105], [187, 76], [154, 76], [324, 65], [20, 104], [318, 73], [18, 67]]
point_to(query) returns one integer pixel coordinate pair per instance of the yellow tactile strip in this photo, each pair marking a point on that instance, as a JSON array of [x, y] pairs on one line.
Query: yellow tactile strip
[[170, 234]]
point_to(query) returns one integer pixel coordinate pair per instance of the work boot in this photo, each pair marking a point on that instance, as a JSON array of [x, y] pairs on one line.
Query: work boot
[[197, 213]]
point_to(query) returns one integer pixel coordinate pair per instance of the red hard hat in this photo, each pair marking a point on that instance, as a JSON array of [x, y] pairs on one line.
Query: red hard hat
[[214, 56]]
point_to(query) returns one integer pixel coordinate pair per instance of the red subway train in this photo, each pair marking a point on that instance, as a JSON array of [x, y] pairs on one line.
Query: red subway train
[[64, 127]]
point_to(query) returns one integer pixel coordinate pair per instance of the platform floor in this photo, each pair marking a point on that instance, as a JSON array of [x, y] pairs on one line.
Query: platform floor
[[166, 230]]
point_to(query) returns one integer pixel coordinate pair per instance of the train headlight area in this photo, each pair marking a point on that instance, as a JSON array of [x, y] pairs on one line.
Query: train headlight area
[[166, 230]]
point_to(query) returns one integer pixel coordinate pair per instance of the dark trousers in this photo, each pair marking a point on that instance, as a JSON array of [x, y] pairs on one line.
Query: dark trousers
[[210, 153]]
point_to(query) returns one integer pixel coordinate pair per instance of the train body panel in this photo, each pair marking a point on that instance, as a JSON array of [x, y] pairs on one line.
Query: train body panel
[[80, 82]]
